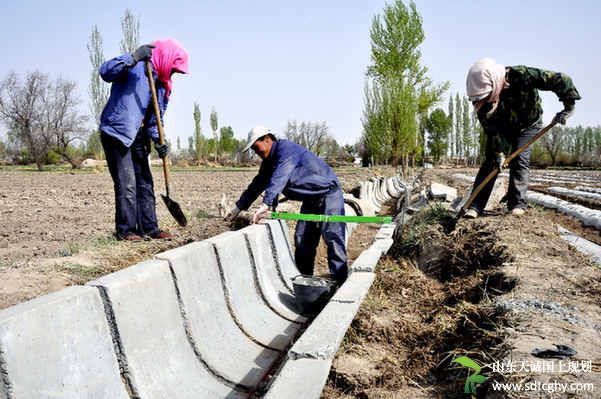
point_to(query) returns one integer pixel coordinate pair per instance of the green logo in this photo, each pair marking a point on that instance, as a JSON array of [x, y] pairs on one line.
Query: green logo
[[472, 378]]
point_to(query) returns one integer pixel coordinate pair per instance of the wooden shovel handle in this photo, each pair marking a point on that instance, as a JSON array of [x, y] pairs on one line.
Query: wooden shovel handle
[[157, 114], [505, 164]]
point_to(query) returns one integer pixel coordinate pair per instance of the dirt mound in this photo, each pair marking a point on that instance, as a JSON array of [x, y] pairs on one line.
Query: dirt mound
[[429, 304]]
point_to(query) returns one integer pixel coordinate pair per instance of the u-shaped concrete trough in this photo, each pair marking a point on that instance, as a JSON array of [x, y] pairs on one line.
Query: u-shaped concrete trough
[[59, 345], [207, 320], [161, 360], [211, 319]]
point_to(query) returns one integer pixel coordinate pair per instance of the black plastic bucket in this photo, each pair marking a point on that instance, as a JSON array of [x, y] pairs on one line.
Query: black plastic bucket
[[312, 293]]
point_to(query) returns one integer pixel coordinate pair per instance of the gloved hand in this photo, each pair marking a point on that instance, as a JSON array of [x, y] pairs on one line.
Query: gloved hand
[[232, 214], [260, 213], [568, 110], [142, 53], [500, 160], [162, 149]]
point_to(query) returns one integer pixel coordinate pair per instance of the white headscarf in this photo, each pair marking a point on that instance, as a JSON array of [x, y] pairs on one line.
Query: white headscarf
[[486, 78]]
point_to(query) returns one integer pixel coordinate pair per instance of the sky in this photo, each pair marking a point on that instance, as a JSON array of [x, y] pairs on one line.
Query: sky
[[265, 62]]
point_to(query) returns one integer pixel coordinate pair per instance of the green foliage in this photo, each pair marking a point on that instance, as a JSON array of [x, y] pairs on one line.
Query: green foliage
[[70, 250], [569, 146], [214, 126], [191, 147], [199, 140], [202, 214], [398, 94], [451, 113], [395, 38], [52, 157], [98, 88], [412, 234], [438, 125], [94, 146], [227, 142], [458, 133], [211, 147], [468, 141], [81, 272], [104, 241], [3, 150], [434, 214]]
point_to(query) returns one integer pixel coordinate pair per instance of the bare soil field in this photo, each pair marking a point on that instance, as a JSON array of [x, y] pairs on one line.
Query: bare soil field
[[495, 289], [57, 227]]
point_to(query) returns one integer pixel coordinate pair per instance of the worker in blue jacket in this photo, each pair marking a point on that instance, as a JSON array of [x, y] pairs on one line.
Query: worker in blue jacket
[[128, 124], [294, 171]]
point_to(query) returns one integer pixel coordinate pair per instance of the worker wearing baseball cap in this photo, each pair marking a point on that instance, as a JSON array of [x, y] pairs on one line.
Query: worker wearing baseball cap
[[290, 169]]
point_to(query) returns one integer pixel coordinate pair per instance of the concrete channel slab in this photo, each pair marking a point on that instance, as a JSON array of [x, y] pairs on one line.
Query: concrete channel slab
[[286, 231], [216, 334], [270, 282], [386, 231], [383, 244], [160, 358], [443, 192], [247, 303], [324, 335], [285, 259], [59, 345], [302, 378], [367, 260], [349, 227]]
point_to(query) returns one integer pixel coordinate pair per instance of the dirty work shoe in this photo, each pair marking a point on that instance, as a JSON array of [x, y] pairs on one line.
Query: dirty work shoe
[[471, 214], [162, 235], [518, 211], [129, 237]]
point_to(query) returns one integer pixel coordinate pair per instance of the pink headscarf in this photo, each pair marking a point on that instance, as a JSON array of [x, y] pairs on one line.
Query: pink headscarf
[[168, 54], [486, 78]]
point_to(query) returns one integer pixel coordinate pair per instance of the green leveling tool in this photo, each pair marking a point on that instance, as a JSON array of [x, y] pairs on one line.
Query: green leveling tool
[[309, 217]]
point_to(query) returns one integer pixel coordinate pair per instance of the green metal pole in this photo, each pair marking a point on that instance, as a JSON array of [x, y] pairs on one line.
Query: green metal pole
[[309, 217]]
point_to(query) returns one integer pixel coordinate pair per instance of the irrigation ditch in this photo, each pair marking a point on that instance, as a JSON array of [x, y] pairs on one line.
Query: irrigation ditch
[[431, 302]]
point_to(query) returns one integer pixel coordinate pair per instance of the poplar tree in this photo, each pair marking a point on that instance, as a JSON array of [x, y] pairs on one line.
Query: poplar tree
[[98, 89], [214, 127], [451, 130], [458, 144], [130, 32], [466, 129], [397, 89], [198, 137]]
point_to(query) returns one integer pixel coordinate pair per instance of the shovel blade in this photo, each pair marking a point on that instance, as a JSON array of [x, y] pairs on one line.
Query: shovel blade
[[175, 211]]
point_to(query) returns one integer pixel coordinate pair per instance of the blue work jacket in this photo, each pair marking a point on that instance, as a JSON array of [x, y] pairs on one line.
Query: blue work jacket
[[292, 170], [130, 101]]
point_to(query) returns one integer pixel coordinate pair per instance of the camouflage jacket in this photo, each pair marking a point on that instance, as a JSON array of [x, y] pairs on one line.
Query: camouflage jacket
[[520, 105]]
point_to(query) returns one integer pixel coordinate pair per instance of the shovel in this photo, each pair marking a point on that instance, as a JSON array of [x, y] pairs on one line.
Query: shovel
[[492, 174], [171, 205]]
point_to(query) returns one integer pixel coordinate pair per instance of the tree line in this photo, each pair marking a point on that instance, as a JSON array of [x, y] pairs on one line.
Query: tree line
[[403, 122], [46, 125], [456, 137]]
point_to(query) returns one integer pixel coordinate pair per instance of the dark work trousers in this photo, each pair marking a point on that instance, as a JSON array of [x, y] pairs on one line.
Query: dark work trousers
[[307, 235], [519, 169], [134, 190]]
